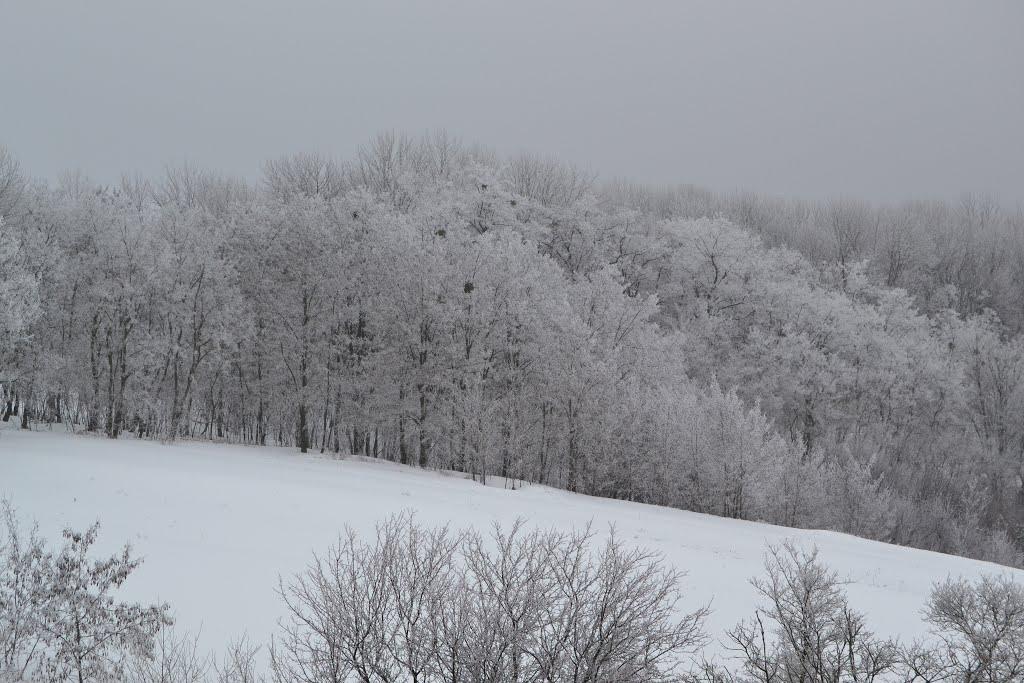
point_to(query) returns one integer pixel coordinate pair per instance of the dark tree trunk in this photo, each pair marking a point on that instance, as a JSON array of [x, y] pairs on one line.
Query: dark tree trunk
[[303, 435], [403, 448], [9, 408], [424, 441], [25, 414]]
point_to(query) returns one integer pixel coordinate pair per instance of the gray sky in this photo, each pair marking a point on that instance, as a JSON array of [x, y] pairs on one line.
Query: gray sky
[[882, 100]]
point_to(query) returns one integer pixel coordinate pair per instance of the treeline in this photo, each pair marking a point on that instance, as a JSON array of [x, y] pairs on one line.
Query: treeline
[[431, 304], [966, 255], [433, 605]]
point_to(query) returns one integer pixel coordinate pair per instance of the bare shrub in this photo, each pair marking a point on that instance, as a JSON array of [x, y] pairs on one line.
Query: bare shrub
[[980, 633], [614, 616], [806, 632], [366, 608], [424, 605]]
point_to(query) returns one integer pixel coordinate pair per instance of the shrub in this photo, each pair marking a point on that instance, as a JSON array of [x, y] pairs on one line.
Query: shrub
[[430, 605], [806, 632], [23, 568], [59, 617], [980, 633]]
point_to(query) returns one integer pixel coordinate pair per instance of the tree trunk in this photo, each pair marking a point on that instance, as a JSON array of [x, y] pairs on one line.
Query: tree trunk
[[303, 435], [424, 442], [25, 414], [403, 448]]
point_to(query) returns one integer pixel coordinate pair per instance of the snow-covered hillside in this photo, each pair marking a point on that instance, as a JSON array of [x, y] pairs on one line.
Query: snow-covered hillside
[[217, 525]]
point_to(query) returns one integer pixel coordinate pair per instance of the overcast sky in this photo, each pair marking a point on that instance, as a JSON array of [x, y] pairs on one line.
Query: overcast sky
[[882, 100]]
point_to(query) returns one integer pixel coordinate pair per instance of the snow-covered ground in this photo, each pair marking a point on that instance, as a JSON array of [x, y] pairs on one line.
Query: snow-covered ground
[[217, 524]]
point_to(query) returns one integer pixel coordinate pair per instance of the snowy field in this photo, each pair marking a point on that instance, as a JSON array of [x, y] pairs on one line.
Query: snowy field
[[217, 525]]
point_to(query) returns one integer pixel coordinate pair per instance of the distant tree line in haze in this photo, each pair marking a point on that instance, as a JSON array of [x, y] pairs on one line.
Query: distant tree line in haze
[[966, 255], [829, 365]]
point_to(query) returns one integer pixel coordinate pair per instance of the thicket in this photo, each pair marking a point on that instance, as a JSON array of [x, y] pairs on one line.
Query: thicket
[[432, 605]]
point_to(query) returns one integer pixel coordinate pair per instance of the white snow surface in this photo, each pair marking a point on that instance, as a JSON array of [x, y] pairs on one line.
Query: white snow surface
[[217, 524]]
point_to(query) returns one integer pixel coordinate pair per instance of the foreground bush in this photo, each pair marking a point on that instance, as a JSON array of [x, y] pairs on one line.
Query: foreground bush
[[980, 633], [59, 618], [422, 604], [429, 605], [806, 631]]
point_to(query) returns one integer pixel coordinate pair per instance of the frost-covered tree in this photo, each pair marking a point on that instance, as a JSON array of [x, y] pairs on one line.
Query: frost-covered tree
[[19, 295], [60, 615], [88, 631], [430, 303], [23, 568]]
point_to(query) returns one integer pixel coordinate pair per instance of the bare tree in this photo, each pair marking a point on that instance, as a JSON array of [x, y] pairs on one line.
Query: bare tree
[[806, 632], [382, 167], [980, 632], [426, 605], [850, 223], [365, 609], [547, 181], [175, 659], [239, 663], [189, 188], [12, 183], [303, 175]]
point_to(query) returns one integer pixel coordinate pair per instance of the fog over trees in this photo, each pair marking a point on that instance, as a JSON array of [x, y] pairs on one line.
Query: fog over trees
[[814, 364]]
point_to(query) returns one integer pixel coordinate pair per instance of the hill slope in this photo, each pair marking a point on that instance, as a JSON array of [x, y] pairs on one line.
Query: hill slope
[[217, 524]]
